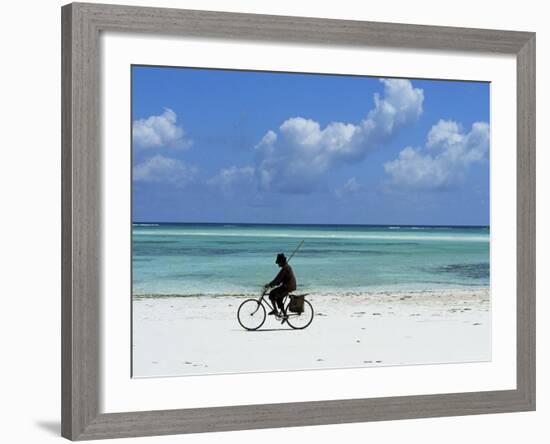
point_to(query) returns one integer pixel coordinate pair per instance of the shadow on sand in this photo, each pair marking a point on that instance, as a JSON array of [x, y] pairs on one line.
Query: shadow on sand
[[264, 329]]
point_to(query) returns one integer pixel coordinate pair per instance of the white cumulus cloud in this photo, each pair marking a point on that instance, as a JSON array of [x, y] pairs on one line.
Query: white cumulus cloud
[[159, 131], [350, 187], [164, 169], [294, 158], [445, 159], [231, 177]]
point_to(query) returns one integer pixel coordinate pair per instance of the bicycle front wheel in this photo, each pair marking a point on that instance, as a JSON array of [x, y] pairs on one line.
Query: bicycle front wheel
[[299, 321], [251, 314]]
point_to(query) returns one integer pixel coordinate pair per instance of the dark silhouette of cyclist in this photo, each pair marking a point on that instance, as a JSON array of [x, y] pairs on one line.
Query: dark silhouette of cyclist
[[284, 283]]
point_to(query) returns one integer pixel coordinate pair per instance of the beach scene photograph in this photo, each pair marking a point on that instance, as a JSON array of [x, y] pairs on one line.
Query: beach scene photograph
[[300, 221]]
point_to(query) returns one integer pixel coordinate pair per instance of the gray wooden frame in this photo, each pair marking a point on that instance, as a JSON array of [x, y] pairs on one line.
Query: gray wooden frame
[[81, 166]]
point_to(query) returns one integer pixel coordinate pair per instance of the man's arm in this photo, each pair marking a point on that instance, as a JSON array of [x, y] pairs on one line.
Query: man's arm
[[278, 279]]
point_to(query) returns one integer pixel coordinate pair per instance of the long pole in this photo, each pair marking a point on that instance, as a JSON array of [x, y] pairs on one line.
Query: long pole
[[296, 250]]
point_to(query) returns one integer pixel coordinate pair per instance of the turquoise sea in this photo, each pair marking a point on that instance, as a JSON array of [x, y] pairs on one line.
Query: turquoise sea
[[236, 259]]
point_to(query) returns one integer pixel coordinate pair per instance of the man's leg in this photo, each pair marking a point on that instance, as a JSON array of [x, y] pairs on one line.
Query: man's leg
[[281, 304], [273, 299], [281, 300], [276, 297]]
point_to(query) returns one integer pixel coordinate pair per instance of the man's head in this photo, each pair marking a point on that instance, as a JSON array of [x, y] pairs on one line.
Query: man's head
[[281, 260]]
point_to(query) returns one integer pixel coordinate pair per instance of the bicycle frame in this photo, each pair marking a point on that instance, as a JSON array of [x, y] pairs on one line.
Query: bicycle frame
[[252, 307], [286, 301]]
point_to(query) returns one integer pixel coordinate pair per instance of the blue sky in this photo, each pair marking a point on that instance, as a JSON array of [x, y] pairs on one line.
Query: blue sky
[[258, 147]]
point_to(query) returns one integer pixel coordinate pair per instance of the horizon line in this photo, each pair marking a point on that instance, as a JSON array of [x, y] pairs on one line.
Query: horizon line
[[313, 224]]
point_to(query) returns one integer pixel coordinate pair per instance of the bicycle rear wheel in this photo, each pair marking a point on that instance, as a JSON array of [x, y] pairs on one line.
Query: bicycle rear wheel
[[251, 314], [299, 321]]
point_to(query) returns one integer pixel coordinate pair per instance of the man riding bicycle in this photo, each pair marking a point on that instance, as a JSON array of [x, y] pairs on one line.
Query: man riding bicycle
[[284, 283]]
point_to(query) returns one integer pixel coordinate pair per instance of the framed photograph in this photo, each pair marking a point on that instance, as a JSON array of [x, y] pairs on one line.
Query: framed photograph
[[278, 221]]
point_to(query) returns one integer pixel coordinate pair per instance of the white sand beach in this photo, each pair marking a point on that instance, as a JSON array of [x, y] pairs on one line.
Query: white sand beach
[[200, 335]]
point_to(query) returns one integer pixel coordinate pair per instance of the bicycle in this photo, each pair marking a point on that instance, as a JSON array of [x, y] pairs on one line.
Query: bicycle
[[251, 314]]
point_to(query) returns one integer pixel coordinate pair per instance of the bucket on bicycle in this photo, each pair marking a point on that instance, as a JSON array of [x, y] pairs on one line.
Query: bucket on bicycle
[[296, 303]]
